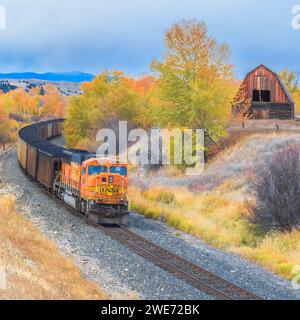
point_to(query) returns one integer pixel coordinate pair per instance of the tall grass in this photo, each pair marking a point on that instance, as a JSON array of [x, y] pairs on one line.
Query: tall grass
[[220, 218], [35, 268]]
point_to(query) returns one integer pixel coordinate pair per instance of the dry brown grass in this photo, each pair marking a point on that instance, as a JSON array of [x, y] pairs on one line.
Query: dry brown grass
[[35, 268], [212, 207], [219, 218]]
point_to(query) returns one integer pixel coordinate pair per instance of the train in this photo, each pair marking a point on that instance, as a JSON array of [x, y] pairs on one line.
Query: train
[[95, 187]]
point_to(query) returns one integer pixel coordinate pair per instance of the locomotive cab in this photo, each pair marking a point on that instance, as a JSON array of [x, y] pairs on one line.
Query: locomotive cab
[[95, 187], [104, 189]]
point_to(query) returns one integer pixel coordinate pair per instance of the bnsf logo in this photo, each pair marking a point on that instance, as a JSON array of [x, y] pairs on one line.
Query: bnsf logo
[[110, 190]]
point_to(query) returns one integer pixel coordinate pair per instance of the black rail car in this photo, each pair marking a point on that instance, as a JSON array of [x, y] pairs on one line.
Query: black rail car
[[37, 156]]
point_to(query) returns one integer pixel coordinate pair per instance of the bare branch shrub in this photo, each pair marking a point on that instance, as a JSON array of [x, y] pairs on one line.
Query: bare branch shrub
[[277, 192]]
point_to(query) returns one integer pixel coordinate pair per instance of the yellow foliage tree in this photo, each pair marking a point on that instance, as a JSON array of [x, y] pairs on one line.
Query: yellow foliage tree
[[292, 81], [4, 124], [195, 80]]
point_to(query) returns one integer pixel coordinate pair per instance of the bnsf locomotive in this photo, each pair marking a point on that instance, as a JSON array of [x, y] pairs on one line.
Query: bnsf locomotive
[[95, 187]]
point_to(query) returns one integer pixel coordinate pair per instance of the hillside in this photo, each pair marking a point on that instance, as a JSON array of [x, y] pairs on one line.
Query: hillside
[[35, 269], [213, 206]]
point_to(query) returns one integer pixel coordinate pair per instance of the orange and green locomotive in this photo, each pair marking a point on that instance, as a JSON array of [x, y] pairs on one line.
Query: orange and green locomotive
[[96, 187]]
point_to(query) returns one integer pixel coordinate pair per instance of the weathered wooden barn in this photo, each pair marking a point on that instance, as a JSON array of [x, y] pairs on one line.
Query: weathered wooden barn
[[263, 95]]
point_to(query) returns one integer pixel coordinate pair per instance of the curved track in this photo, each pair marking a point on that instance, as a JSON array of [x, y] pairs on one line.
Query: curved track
[[209, 283]]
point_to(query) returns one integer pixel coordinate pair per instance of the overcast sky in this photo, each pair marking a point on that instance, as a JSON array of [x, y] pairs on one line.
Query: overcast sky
[[92, 35]]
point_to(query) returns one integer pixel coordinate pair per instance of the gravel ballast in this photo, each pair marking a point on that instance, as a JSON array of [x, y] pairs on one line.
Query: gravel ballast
[[121, 273]]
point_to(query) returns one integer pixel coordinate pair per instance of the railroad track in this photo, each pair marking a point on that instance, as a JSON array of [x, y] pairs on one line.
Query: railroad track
[[202, 279], [207, 282]]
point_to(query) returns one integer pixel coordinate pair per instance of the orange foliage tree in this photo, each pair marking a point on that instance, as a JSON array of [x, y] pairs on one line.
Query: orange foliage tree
[[8, 127], [26, 107], [53, 103], [109, 98]]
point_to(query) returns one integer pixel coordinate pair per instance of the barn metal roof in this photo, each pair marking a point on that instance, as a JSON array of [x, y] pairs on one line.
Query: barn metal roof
[[290, 98]]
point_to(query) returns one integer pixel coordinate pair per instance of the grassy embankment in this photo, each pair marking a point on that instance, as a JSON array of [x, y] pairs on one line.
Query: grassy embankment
[[35, 269], [219, 214]]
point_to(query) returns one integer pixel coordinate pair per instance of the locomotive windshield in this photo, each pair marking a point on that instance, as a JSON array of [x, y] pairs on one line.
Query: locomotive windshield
[[95, 170], [119, 170]]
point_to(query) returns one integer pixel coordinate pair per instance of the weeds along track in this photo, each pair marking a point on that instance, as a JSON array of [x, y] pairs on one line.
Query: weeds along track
[[205, 281]]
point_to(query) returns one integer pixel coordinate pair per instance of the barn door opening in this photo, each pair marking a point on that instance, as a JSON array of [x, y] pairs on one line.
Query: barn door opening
[[263, 114]]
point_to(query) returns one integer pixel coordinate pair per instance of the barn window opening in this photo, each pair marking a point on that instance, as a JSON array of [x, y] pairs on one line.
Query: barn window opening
[[265, 96], [261, 96], [256, 96]]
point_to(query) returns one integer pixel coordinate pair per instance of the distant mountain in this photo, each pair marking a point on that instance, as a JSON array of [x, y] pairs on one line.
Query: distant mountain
[[75, 76]]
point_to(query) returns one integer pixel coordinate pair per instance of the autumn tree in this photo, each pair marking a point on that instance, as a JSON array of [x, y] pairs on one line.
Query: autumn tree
[[145, 88], [108, 99], [6, 125], [292, 82], [291, 79], [19, 106], [77, 123], [195, 79], [52, 102], [25, 104], [193, 87]]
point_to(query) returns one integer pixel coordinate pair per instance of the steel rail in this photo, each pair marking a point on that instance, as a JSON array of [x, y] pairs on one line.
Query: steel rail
[[208, 282]]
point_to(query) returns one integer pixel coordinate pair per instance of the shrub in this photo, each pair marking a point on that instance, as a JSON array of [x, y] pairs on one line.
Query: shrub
[[277, 190]]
